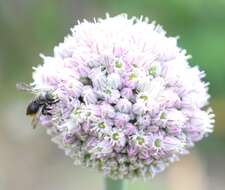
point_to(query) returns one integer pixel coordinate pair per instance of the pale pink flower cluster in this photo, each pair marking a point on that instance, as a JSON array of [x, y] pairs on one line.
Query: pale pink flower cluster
[[130, 103]]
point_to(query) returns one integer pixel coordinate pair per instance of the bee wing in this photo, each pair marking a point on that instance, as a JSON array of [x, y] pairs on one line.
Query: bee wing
[[25, 87], [34, 122], [35, 119]]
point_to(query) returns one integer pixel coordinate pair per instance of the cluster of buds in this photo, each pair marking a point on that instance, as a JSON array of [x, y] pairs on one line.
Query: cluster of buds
[[129, 102]]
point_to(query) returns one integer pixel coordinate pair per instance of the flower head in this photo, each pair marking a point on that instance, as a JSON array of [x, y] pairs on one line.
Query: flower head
[[129, 102]]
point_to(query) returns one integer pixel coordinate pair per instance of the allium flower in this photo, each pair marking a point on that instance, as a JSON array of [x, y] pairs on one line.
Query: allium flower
[[129, 102]]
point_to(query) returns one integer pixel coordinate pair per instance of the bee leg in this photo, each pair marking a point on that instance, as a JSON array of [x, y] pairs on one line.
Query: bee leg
[[49, 114], [53, 102], [45, 111], [47, 108]]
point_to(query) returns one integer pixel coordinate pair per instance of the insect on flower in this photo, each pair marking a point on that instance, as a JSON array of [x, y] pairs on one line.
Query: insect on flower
[[39, 105]]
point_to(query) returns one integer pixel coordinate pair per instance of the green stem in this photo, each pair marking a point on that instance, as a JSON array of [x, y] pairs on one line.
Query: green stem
[[111, 184]]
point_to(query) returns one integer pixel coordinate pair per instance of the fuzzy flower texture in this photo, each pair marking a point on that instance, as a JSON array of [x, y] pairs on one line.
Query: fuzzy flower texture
[[130, 103]]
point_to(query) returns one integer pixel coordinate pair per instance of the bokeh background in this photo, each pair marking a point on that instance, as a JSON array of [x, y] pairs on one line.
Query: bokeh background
[[28, 160]]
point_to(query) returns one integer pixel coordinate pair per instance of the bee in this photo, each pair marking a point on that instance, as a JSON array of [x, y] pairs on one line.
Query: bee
[[39, 105]]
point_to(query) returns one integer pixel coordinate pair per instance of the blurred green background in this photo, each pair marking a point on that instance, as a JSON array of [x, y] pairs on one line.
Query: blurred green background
[[27, 27]]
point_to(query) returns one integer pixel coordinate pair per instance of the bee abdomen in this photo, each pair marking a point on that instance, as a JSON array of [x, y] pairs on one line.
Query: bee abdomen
[[32, 108]]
